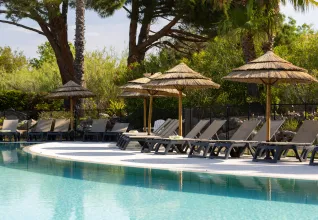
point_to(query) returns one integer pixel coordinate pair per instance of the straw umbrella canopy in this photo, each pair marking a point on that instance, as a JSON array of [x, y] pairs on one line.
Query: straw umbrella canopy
[[72, 91], [270, 69], [182, 77], [137, 85]]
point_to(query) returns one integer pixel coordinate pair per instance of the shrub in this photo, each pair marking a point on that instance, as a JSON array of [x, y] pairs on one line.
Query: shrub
[[290, 125], [20, 101]]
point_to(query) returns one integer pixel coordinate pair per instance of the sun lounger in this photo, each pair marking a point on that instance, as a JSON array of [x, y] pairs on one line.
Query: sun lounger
[[158, 123], [40, 129], [208, 134], [116, 131], [174, 144], [312, 159], [215, 146], [155, 132], [126, 136], [168, 131], [61, 127], [303, 140], [9, 129], [97, 130]]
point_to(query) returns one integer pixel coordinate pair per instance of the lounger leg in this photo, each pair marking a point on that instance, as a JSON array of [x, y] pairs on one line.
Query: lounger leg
[[191, 151], [168, 147], [227, 152], [297, 154], [312, 159]]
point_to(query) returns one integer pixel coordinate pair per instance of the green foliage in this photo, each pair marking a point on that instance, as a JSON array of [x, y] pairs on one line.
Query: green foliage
[[116, 108], [20, 101], [11, 61], [290, 125], [104, 8], [103, 69]]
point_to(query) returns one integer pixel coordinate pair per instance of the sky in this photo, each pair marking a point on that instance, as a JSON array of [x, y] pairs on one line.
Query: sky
[[109, 32]]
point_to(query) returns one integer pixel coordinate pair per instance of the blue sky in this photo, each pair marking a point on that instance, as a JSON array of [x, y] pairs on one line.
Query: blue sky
[[109, 32]]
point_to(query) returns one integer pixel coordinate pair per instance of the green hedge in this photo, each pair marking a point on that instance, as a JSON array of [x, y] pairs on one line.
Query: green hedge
[[20, 101]]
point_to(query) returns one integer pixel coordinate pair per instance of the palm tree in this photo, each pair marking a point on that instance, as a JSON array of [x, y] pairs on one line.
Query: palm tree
[[79, 40]]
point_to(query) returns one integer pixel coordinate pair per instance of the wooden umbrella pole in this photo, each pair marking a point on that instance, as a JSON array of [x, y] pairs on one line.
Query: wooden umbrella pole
[[268, 112], [150, 114], [145, 114], [180, 113], [71, 109]]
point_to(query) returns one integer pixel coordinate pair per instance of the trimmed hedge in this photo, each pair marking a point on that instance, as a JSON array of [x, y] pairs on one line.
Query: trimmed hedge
[[20, 101]]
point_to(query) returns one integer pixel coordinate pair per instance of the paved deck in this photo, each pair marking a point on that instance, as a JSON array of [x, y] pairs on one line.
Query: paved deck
[[108, 153]]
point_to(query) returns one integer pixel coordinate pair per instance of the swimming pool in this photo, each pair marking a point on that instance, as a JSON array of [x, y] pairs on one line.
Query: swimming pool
[[34, 187]]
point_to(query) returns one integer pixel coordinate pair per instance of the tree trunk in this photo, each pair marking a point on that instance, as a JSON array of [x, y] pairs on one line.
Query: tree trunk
[[249, 54], [57, 37], [79, 40], [132, 56]]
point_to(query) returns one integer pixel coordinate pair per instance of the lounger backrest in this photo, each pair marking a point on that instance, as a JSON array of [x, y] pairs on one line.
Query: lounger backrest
[[245, 130], [307, 132], [99, 125], [120, 127], [197, 129], [157, 124], [212, 129], [43, 125], [10, 125], [172, 128], [61, 125], [164, 126], [261, 134]]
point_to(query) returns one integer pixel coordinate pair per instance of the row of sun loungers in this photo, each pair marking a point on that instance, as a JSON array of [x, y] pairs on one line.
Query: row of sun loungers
[[58, 129], [202, 144]]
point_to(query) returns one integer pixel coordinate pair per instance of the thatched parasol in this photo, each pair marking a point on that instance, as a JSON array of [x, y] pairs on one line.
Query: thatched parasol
[[137, 85], [181, 77], [270, 69], [70, 90]]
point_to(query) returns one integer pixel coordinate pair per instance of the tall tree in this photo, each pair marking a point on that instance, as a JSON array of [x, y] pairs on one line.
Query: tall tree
[[51, 16], [145, 13], [79, 40]]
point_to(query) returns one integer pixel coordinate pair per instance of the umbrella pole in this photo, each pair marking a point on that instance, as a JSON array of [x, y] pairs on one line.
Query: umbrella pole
[[71, 109], [180, 113], [150, 114], [145, 114], [268, 112]]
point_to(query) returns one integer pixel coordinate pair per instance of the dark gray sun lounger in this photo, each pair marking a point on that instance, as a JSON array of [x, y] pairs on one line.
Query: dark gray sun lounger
[[61, 128], [180, 145], [303, 140], [155, 132], [125, 135], [116, 131], [97, 130], [40, 130], [9, 129], [125, 138], [215, 146], [168, 131]]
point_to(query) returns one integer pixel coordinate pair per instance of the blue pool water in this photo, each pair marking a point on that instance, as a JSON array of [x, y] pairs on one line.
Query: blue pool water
[[34, 187]]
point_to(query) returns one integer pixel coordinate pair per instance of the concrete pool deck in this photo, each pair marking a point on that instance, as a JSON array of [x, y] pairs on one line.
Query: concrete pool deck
[[108, 153]]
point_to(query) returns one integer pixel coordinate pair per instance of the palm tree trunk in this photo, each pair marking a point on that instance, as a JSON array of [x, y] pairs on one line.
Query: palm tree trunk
[[79, 46], [79, 40], [249, 55]]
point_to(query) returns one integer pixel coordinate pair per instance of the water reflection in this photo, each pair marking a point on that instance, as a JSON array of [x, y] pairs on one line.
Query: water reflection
[[270, 189]]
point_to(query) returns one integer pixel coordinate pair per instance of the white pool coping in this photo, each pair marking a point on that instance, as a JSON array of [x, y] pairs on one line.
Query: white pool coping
[[108, 153]]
